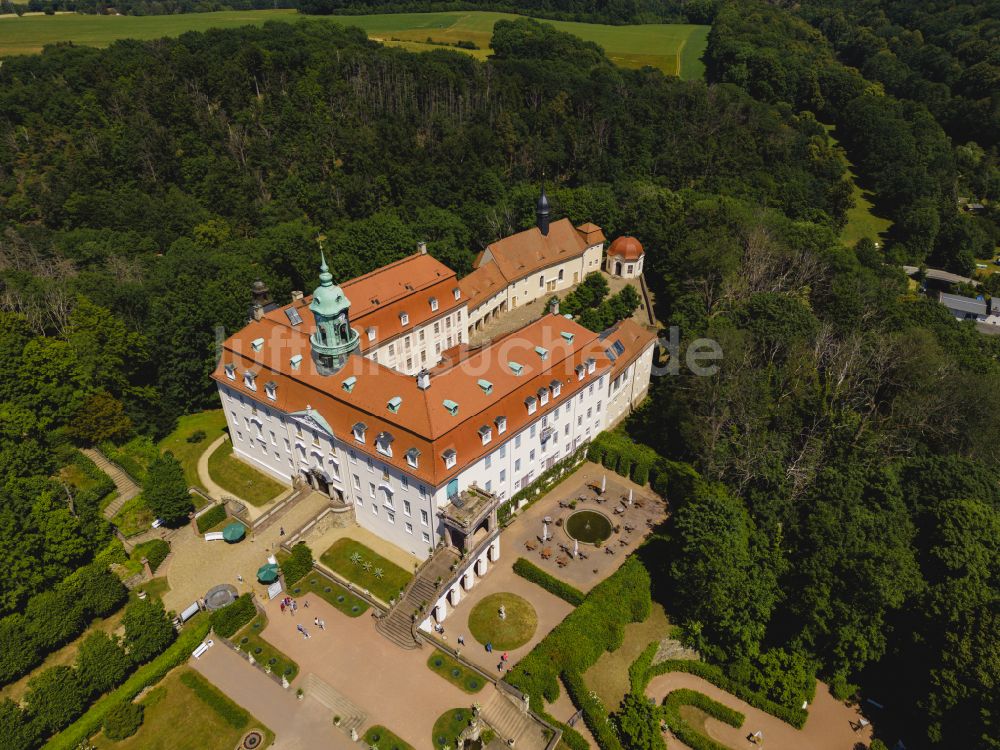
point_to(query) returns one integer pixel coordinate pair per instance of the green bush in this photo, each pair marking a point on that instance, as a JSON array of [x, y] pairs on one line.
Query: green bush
[[123, 720], [684, 731], [18, 653], [228, 711], [134, 457], [148, 629], [16, 729], [55, 698], [101, 663], [639, 670], [155, 551], [149, 674], [528, 570], [297, 564], [794, 716], [546, 481], [228, 620], [594, 627], [211, 517], [595, 715], [638, 722]]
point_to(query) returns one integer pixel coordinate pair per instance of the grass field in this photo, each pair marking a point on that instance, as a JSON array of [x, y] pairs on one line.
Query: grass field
[[862, 220], [212, 423], [178, 718], [239, 478], [673, 48], [369, 570]]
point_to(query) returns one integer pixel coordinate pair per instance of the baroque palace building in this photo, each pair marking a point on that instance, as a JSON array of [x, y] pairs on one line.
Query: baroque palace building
[[370, 392]]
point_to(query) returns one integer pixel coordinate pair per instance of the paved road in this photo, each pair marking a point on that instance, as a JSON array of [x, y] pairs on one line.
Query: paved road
[[827, 728], [297, 725]]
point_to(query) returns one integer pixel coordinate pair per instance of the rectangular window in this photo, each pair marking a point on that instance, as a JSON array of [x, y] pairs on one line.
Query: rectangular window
[[517, 465], [404, 319], [424, 518], [503, 476], [405, 482], [353, 456], [371, 489], [437, 327], [406, 507], [409, 528], [517, 441], [531, 457], [426, 538], [374, 509], [371, 464], [534, 430], [489, 486], [392, 517], [489, 461]]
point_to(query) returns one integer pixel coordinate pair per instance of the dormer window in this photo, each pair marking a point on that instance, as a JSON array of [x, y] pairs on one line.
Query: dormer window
[[591, 366], [394, 403], [532, 403], [413, 457], [383, 443], [580, 372], [516, 368], [271, 389], [434, 304], [556, 387], [250, 380], [450, 458], [567, 337], [231, 372], [486, 385], [404, 319], [485, 434], [295, 361], [542, 352], [451, 406], [457, 292], [359, 431], [543, 395], [257, 344], [501, 423], [349, 383], [370, 332]]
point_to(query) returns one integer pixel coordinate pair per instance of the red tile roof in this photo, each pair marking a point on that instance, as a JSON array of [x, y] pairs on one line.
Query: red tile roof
[[523, 253]]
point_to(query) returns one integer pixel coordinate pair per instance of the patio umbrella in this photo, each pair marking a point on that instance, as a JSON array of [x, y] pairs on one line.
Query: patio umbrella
[[576, 547], [234, 532], [545, 531], [630, 496], [267, 573], [604, 483]]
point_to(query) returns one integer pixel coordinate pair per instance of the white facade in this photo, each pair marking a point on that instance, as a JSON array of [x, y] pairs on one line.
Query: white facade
[[421, 347], [554, 279], [396, 505], [616, 265]]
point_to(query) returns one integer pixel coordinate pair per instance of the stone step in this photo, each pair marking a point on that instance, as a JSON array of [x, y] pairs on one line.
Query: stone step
[[351, 716], [397, 628]]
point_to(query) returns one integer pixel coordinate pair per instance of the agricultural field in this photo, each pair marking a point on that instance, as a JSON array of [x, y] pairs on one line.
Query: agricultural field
[[673, 48]]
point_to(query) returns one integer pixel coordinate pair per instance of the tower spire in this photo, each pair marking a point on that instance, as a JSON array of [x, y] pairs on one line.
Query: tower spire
[[542, 211], [334, 339]]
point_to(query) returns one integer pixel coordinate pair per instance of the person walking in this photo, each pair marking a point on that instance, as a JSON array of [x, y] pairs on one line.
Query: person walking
[[461, 640], [282, 605], [281, 531], [504, 657], [489, 647], [322, 625]]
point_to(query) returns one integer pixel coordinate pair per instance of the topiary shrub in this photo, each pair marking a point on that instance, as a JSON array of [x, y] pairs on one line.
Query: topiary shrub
[[229, 619], [122, 720], [298, 564], [211, 517]]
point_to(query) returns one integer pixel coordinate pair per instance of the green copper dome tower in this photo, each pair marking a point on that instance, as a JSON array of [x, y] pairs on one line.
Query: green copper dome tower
[[334, 339]]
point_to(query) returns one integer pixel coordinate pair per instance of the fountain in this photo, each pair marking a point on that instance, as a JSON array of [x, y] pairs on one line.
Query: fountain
[[588, 526]]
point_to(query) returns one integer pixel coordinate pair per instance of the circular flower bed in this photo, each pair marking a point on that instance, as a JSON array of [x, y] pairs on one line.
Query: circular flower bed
[[513, 631], [252, 740]]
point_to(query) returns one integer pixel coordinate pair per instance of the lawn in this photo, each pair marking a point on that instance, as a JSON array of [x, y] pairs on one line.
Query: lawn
[[242, 480], [178, 718], [449, 725], [669, 47], [862, 220], [380, 737], [513, 631], [608, 678], [366, 568], [134, 517], [211, 423], [249, 640], [458, 675], [331, 592]]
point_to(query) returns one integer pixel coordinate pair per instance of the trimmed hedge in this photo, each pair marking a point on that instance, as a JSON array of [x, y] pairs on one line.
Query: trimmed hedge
[[684, 731], [149, 674], [212, 517], [228, 620], [228, 711], [596, 626], [639, 670], [595, 715], [55, 617], [796, 717], [528, 570], [616, 451], [155, 551], [123, 720], [300, 562]]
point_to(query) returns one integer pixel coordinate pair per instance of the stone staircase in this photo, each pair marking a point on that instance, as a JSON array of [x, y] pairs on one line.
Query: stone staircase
[[397, 624], [351, 717], [511, 722], [126, 487]]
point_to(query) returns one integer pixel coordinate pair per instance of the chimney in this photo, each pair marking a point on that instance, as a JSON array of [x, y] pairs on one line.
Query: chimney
[[258, 312], [422, 247], [296, 295], [423, 380], [554, 306]]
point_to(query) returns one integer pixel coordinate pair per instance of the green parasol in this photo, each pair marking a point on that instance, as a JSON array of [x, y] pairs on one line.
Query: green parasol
[[234, 532], [267, 573]]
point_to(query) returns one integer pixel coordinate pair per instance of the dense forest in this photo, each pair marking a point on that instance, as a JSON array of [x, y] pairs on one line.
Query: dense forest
[[845, 516]]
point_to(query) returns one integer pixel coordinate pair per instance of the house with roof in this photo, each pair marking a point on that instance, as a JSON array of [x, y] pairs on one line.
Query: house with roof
[[625, 258], [965, 308], [546, 259]]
